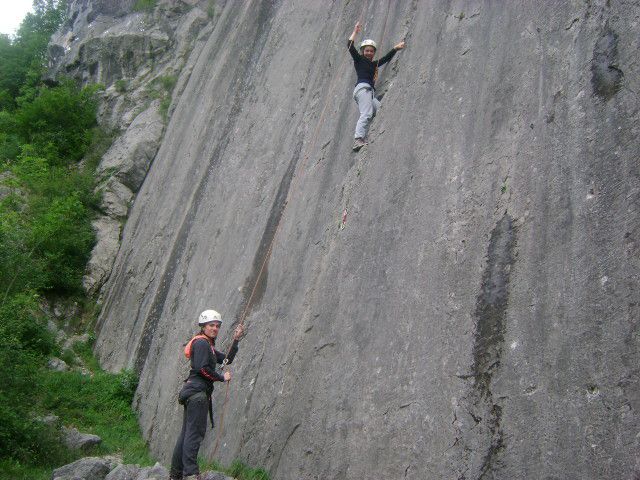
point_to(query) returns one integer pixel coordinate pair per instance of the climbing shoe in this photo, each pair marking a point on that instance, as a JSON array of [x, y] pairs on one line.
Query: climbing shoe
[[358, 143]]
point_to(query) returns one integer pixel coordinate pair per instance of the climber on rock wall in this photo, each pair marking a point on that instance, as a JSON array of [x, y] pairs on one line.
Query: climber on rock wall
[[196, 392], [364, 92]]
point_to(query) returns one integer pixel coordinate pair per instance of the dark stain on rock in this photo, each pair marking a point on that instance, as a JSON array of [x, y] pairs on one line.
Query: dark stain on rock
[[606, 76], [256, 283], [490, 314], [491, 304]]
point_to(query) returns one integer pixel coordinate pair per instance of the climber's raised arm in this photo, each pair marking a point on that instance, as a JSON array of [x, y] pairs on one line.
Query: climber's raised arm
[[391, 53], [352, 49]]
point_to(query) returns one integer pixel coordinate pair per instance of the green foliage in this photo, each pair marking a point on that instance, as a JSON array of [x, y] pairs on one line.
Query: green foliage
[[168, 82], [242, 472], [144, 5], [64, 238], [24, 344], [45, 233], [211, 9], [22, 59], [165, 103], [58, 122], [99, 404], [121, 86], [45, 226], [161, 88]]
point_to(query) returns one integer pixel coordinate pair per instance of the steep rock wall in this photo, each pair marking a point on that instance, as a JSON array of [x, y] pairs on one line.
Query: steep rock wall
[[474, 316]]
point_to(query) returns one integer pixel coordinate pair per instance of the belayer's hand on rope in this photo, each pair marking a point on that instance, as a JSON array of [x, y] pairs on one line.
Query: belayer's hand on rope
[[237, 335], [238, 332]]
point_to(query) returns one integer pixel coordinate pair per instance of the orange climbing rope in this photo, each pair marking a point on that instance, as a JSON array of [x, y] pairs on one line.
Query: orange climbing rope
[[297, 177]]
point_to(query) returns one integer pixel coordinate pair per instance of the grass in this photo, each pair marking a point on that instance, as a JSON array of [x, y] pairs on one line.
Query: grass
[[237, 470], [161, 88], [98, 404]]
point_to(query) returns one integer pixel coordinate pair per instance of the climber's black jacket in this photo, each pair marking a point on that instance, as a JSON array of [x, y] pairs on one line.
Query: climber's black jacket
[[204, 358], [365, 68]]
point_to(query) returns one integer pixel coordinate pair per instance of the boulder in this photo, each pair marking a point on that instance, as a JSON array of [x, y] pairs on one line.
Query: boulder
[[103, 254], [124, 472], [157, 472], [116, 198], [214, 476], [76, 440], [57, 364], [88, 468]]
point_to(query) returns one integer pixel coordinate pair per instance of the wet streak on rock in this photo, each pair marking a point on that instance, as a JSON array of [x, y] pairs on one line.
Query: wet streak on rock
[[606, 76], [490, 314], [160, 298], [258, 272]]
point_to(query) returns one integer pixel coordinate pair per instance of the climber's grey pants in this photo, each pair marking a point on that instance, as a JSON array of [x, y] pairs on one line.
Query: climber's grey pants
[[194, 425], [368, 105]]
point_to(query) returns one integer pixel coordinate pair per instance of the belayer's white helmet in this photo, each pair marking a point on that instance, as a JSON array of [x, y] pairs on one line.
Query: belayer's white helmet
[[209, 316], [368, 43]]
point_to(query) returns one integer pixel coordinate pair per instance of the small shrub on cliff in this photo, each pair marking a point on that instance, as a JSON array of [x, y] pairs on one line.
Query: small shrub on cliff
[[144, 5], [121, 86]]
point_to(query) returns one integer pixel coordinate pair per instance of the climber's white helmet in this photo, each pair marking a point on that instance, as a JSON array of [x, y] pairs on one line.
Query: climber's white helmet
[[209, 316], [368, 43]]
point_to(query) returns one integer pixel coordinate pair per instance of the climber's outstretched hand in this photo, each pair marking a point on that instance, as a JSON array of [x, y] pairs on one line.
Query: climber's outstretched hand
[[399, 46]]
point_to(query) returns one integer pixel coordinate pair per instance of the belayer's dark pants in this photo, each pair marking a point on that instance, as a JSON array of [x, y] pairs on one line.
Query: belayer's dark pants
[[194, 425]]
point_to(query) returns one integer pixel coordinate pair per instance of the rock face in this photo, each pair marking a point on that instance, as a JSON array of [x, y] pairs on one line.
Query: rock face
[[458, 300]]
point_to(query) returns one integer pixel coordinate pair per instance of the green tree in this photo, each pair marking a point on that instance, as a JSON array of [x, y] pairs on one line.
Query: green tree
[[23, 59], [58, 122]]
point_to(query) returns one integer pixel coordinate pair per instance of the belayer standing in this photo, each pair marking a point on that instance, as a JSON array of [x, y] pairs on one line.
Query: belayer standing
[[196, 392], [364, 93]]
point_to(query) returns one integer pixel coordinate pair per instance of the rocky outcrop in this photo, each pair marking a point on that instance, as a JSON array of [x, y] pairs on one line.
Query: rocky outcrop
[[103, 254], [88, 468], [139, 56], [134, 472], [477, 314], [111, 468]]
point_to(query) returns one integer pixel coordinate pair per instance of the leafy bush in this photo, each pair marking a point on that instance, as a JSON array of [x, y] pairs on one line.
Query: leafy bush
[[144, 5], [22, 60], [24, 344], [58, 122], [121, 86]]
